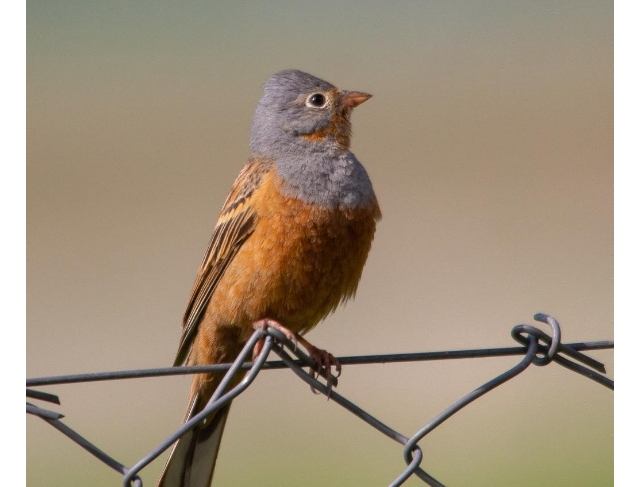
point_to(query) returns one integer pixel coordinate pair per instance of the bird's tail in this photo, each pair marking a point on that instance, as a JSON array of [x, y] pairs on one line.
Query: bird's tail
[[193, 457]]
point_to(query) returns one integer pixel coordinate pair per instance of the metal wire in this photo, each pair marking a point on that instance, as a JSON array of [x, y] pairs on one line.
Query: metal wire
[[538, 348]]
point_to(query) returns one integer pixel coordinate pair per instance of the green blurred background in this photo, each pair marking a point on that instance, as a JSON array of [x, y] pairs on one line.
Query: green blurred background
[[489, 141]]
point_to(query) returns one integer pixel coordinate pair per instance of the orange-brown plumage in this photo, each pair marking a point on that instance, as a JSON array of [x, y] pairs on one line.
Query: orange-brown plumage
[[298, 264]]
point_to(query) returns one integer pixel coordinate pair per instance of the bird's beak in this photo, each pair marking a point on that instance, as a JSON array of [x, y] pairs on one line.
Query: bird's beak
[[351, 99]]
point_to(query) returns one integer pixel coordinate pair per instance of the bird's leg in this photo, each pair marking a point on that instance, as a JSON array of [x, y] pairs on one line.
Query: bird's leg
[[323, 359], [263, 325]]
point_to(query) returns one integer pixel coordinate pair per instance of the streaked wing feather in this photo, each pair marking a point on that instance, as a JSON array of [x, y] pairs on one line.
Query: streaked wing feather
[[236, 223]]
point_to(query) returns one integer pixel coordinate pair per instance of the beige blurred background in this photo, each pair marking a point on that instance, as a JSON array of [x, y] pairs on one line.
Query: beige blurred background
[[489, 141]]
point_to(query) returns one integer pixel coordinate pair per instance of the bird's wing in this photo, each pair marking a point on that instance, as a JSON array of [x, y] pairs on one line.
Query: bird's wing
[[236, 223]]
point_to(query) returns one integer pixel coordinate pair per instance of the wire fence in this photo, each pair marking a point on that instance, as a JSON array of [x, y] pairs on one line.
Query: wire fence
[[537, 347]]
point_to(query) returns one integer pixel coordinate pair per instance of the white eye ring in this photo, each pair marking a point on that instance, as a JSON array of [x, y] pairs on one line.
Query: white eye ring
[[317, 100]]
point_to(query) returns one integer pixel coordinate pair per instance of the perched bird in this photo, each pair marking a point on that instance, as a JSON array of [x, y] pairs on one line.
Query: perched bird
[[289, 246]]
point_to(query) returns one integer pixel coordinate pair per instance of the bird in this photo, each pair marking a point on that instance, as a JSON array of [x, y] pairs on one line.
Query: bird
[[289, 246]]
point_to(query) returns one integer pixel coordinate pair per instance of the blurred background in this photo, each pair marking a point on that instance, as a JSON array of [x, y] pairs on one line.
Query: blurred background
[[489, 141]]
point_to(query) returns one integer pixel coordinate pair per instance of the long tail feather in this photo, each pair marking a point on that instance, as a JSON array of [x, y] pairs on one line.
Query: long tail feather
[[193, 457]]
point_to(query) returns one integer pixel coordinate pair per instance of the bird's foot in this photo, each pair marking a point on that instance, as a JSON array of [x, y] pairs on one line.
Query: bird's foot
[[323, 359], [324, 362]]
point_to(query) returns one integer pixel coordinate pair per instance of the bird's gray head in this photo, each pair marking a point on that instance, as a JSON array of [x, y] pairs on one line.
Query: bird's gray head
[[300, 113]]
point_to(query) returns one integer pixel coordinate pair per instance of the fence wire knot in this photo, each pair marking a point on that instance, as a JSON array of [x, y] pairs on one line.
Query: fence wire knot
[[537, 347]]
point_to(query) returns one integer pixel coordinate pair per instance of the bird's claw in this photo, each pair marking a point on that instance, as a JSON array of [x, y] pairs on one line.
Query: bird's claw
[[324, 363], [323, 359]]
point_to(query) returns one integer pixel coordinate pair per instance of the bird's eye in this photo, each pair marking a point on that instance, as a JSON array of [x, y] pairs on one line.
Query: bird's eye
[[317, 100]]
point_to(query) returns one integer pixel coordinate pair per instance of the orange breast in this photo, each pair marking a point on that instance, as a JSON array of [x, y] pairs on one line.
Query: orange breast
[[296, 267]]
